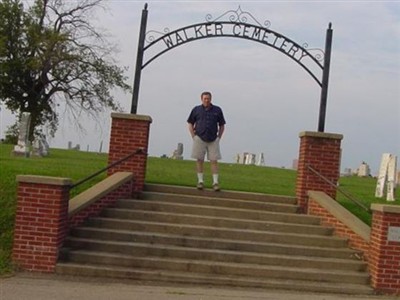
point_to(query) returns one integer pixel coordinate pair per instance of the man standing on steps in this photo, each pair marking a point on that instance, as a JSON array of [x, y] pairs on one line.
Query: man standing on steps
[[206, 126]]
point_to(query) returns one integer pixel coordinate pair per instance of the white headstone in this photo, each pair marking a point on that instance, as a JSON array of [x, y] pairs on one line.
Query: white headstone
[[36, 147], [380, 185], [250, 159], [40, 147], [391, 178], [22, 147], [177, 154], [363, 170], [260, 161], [387, 177], [237, 158], [46, 147]]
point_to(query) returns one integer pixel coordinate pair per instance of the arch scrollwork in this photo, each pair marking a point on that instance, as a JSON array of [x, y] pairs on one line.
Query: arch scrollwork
[[236, 24], [238, 16]]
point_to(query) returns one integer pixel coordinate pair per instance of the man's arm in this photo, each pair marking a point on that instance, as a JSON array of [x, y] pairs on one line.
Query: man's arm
[[191, 129], [221, 131]]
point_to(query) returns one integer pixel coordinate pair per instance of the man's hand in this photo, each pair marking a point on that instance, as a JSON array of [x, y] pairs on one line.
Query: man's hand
[[191, 130]]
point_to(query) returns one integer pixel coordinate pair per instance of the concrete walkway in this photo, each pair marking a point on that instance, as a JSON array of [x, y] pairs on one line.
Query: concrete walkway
[[25, 286]]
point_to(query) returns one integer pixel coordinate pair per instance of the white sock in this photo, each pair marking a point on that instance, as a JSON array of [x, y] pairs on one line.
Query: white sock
[[200, 177], [215, 178]]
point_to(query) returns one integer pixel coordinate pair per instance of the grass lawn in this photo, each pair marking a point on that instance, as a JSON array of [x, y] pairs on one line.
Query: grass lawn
[[78, 165], [61, 163]]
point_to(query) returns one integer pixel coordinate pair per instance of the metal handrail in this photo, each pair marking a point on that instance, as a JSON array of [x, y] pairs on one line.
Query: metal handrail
[[346, 194], [137, 151]]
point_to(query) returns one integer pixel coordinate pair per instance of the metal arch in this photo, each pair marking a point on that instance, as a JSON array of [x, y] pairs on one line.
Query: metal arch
[[239, 18], [193, 26]]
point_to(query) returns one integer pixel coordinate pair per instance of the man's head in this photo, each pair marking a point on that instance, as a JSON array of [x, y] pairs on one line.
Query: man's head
[[206, 99]]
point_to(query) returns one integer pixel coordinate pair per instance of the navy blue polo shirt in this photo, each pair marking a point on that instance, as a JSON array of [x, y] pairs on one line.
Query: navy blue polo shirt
[[206, 121]]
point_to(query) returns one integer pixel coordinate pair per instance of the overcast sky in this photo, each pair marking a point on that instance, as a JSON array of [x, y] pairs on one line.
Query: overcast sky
[[267, 98]]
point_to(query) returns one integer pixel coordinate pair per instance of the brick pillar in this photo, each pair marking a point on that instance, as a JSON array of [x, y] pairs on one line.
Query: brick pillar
[[322, 152], [384, 251], [41, 221], [130, 132]]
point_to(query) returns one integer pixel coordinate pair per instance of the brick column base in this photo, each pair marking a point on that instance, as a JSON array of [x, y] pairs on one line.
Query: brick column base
[[321, 151], [41, 221], [384, 262], [129, 132]]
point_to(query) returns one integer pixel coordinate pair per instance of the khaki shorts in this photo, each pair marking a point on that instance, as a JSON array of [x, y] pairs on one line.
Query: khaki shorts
[[200, 148]]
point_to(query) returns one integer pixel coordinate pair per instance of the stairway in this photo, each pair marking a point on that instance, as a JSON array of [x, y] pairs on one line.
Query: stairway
[[180, 234]]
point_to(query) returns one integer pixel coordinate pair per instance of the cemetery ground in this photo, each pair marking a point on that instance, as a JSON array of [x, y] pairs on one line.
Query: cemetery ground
[[78, 165]]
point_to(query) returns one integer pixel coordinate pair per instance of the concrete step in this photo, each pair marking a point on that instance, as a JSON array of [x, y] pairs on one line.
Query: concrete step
[[217, 255], [212, 243], [217, 267], [219, 202], [180, 190], [179, 218], [206, 210], [207, 279], [214, 232], [180, 234]]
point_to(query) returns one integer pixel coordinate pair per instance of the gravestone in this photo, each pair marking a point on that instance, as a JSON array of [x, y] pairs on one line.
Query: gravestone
[[77, 147], [391, 179], [250, 159], [40, 147], [177, 154], [242, 158], [387, 177], [46, 147], [101, 146], [260, 160], [246, 158], [37, 147], [22, 147], [363, 170]]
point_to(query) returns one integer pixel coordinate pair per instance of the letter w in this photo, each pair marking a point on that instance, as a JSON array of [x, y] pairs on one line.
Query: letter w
[[168, 41]]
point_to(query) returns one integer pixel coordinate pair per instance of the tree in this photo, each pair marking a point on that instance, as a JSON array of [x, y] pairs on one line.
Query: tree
[[49, 52]]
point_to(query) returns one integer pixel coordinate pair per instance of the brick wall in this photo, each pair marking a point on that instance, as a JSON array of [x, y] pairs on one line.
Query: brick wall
[[322, 152], [384, 264], [40, 222], [380, 243], [355, 239], [130, 132], [108, 200]]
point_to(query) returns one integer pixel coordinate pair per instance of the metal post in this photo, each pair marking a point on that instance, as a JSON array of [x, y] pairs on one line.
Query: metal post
[[325, 79], [139, 60]]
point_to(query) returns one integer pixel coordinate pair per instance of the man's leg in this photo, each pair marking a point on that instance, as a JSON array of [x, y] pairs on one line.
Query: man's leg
[[198, 152], [214, 171], [200, 172], [214, 155]]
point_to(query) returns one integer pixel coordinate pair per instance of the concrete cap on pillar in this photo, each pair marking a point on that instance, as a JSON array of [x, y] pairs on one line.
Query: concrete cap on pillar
[[325, 135], [131, 117], [44, 180]]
